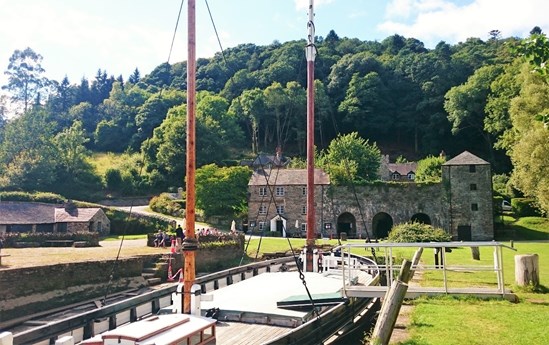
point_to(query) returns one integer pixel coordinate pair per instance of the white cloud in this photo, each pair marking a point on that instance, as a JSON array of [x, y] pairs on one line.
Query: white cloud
[[433, 20]]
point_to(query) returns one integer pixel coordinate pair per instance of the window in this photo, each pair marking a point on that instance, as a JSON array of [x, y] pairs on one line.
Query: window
[[262, 209], [279, 191], [303, 227], [395, 176], [99, 226], [261, 226], [411, 176], [473, 186], [474, 207], [280, 209], [304, 191], [303, 209], [472, 168], [262, 191]]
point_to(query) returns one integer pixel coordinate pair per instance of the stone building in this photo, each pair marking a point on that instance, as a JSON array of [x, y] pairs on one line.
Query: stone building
[[277, 200], [461, 204], [41, 217]]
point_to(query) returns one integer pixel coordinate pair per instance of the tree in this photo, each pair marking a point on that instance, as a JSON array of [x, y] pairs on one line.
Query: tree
[[350, 158], [25, 80], [528, 140], [28, 153], [135, 77], [429, 169], [221, 190], [72, 153], [466, 105]]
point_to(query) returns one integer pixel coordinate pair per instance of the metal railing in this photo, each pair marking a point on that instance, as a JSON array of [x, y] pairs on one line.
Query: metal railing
[[389, 266]]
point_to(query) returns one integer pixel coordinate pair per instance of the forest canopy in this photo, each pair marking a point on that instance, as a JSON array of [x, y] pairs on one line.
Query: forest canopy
[[485, 96]]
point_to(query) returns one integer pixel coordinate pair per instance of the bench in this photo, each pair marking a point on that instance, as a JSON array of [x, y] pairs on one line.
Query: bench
[[1, 256], [59, 243], [80, 244]]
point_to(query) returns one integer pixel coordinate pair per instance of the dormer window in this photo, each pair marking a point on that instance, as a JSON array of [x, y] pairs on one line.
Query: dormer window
[[395, 176], [411, 176]]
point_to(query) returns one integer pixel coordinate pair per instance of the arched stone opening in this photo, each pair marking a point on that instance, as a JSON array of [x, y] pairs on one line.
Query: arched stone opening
[[421, 218], [346, 222], [278, 224], [382, 225]]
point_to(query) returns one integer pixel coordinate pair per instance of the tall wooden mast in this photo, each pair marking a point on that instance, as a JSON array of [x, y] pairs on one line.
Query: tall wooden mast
[[310, 54], [189, 245]]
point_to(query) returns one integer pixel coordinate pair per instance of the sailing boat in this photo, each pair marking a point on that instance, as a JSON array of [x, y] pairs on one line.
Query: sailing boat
[[268, 308]]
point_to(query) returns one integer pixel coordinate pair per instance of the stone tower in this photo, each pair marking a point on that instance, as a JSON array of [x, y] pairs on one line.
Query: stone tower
[[467, 182]]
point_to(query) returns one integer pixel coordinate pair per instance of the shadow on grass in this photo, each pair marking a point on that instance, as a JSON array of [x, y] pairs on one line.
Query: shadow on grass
[[519, 232]]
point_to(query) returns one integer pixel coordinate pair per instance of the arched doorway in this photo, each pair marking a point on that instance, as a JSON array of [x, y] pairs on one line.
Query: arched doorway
[[421, 218], [346, 222], [278, 224], [382, 225]]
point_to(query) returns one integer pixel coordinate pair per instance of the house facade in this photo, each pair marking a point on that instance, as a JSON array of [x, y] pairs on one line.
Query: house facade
[[461, 204], [278, 198], [41, 217]]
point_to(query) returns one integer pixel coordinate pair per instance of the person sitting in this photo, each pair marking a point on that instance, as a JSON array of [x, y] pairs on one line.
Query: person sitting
[[159, 239]]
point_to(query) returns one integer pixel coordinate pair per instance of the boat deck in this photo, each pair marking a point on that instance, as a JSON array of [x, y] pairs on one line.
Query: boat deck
[[236, 333], [255, 300]]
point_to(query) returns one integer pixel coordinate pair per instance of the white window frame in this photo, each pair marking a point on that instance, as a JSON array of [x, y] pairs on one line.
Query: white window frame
[[262, 209], [279, 191], [303, 227], [411, 176], [303, 209], [262, 226], [262, 191], [280, 209]]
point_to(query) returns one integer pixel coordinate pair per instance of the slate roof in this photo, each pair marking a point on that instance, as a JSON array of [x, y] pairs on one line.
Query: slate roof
[[466, 158], [75, 216], [12, 212], [287, 177], [402, 168]]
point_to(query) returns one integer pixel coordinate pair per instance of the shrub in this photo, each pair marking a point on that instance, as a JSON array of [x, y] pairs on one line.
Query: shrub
[[417, 232], [166, 205], [113, 179], [122, 224], [32, 197], [523, 207], [92, 238]]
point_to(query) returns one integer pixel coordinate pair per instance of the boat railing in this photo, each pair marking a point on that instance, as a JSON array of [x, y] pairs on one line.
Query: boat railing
[[90, 323], [389, 263]]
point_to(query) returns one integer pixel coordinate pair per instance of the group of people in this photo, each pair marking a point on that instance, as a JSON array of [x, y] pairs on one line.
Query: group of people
[[163, 239]]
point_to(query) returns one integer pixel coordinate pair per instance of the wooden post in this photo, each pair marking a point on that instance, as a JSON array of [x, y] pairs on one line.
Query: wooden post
[[391, 307], [527, 270], [475, 251]]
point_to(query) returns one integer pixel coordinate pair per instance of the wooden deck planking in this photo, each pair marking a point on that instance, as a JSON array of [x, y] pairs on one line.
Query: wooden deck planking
[[234, 333]]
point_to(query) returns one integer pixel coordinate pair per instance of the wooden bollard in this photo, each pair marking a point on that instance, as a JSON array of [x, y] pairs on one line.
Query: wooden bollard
[[391, 306], [475, 251], [527, 270]]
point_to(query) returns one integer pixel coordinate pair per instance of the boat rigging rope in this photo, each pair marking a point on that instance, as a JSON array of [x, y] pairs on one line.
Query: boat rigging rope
[[175, 30]]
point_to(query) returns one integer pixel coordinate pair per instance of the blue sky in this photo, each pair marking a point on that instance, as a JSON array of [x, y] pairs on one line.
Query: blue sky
[[77, 37]]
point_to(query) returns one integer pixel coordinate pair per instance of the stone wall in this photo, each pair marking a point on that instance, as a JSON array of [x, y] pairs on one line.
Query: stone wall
[[30, 290], [388, 202]]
